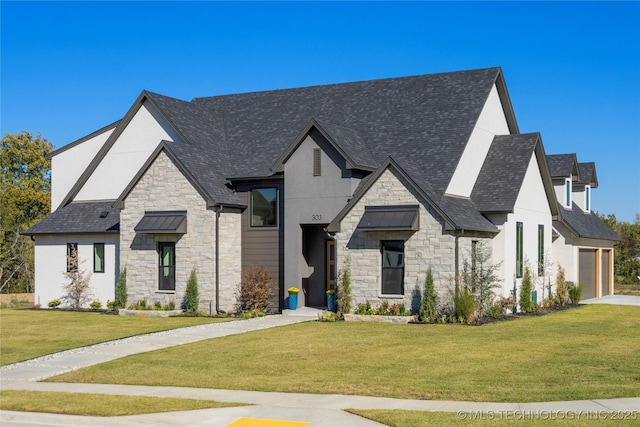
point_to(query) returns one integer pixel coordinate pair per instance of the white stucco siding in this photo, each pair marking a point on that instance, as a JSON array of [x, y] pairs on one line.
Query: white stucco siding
[[491, 122], [531, 209], [67, 166], [127, 155], [427, 247], [163, 188], [51, 264]]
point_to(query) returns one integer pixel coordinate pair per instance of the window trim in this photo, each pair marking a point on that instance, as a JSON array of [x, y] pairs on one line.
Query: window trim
[[382, 268], [519, 249], [540, 250], [70, 259], [95, 246], [276, 207], [161, 265], [587, 198]]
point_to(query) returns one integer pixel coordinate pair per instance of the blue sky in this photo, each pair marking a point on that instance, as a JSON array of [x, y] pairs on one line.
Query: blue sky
[[572, 68]]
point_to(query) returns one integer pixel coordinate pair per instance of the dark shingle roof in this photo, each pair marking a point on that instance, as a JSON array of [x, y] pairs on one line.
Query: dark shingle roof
[[503, 171], [428, 117], [586, 225], [588, 174], [562, 165], [80, 218]]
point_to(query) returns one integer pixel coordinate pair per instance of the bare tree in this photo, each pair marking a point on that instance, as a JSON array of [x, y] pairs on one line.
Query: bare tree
[[78, 289]]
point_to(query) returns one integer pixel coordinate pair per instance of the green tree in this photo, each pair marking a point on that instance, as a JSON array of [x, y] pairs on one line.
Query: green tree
[[626, 262], [344, 287], [25, 184], [191, 297], [428, 303], [526, 304], [121, 290]]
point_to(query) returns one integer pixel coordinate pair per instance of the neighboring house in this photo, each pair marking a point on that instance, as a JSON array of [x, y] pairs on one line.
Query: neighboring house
[[583, 244], [398, 174]]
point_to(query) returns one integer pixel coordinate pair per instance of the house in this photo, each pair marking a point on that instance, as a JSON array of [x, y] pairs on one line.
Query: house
[[398, 175]]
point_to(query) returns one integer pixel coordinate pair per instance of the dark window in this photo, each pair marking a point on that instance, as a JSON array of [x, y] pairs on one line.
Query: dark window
[[474, 261], [519, 254], [587, 198], [540, 250], [317, 167], [98, 257], [393, 267], [264, 207], [167, 266], [72, 257], [567, 196]]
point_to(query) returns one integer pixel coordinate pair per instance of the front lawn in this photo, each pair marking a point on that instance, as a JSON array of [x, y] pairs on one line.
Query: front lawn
[[99, 405], [589, 352], [26, 334]]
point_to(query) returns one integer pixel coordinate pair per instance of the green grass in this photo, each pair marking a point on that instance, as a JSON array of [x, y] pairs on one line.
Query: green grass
[[26, 334], [589, 352], [100, 405], [399, 418]]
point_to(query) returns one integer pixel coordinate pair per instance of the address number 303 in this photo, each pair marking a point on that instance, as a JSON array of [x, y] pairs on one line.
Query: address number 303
[[316, 217]]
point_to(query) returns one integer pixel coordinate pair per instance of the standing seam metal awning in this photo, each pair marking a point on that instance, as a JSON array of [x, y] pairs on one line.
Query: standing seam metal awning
[[163, 222], [390, 218]]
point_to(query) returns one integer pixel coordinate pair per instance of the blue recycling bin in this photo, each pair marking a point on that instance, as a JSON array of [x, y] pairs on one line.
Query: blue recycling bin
[[293, 301], [331, 302]]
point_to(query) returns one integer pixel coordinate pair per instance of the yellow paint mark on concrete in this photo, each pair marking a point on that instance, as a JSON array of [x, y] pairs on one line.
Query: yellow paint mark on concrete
[[257, 422]]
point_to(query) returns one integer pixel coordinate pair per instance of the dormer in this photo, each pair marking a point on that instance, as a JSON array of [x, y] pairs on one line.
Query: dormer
[[582, 189], [565, 175]]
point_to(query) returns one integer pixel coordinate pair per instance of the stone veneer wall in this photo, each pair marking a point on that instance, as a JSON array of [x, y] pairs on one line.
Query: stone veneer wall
[[429, 246], [164, 188]]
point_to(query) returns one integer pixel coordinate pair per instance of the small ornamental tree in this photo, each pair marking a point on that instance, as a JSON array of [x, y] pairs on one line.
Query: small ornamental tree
[[562, 288], [428, 303], [77, 290], [191, 297], [344, 287], [121, 290], [526, 304], [255, 289]]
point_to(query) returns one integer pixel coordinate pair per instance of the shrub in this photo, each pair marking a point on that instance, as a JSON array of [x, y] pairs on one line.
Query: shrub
[[428, 302], [562, 288], [95, 305], [255, 289], [121, 290], [526, 304], [171, 305], [328, 316], [364, 308], [465, 305], [54, 303], [111, 305], [575, 292], [344, 287], [157, 305], [191, 297]]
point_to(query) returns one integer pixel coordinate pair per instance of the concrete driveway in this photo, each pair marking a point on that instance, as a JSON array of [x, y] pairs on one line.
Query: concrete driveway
[[614, 299]]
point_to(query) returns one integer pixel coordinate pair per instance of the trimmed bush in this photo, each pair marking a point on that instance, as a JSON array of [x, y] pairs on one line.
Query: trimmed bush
[[191, 297], [120, 300], [428, 303], [465, 305], [562, 289], [526, 304], [344, 287]]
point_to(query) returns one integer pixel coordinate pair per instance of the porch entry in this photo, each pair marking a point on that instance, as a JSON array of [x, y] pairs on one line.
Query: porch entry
[[319, 254]]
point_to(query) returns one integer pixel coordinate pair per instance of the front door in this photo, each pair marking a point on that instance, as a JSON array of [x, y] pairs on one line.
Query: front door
[[330, 272]]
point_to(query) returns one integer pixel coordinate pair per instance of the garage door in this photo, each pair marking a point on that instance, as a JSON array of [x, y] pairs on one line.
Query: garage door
[[605, 272], [587, 272]]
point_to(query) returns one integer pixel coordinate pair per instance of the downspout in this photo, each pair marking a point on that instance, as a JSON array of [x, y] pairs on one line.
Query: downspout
[[218, 209], [457, 261]]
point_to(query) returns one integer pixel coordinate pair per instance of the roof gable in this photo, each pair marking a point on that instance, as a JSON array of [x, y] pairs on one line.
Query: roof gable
[[503, 172], [588, 174], [563, 165]]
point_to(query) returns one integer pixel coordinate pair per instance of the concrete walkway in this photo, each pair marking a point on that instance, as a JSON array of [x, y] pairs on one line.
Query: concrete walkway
[[614, 299], [316, 410]]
